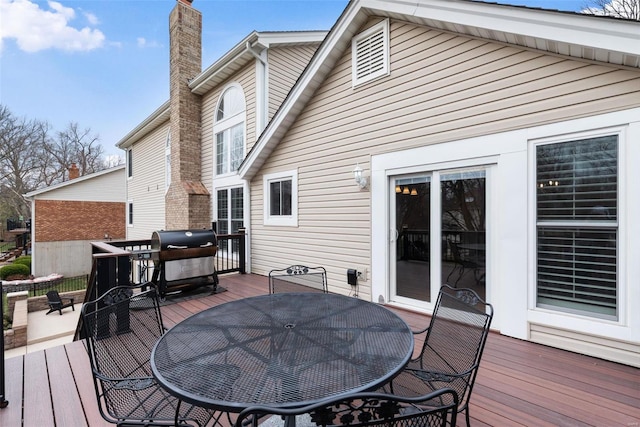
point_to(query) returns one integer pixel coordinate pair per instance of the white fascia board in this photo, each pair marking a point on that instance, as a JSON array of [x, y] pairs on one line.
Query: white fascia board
[[231, 56], [572, 28], [34, 193], [267, 39], [148, 124]]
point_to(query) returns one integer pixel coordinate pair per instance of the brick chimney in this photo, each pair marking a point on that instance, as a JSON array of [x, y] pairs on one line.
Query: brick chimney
[[74, 172], [187, 202]]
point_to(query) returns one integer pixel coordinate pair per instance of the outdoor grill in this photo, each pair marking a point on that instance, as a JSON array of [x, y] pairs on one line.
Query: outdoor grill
[[184, 258]]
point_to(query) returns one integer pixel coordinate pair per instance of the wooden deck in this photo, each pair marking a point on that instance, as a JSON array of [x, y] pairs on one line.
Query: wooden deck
[[519, 383]]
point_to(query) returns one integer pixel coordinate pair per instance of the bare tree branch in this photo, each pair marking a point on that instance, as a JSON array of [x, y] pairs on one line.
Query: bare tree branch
[[627, 9]]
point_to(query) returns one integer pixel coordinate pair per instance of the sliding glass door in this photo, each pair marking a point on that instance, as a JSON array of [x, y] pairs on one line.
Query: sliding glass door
[[438, 226]]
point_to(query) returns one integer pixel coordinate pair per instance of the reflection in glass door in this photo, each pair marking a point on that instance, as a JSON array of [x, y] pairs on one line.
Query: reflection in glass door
[[412, 228], [463, 229]]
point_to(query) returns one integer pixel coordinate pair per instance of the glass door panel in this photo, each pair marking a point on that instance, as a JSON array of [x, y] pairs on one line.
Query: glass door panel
[[463, 229], [412, 244]]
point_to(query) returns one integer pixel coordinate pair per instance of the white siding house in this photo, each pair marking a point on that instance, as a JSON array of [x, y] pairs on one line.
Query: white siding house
[[499, 146]]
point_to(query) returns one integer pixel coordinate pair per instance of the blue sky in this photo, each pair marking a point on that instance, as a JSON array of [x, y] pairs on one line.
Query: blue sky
[[105, 63]]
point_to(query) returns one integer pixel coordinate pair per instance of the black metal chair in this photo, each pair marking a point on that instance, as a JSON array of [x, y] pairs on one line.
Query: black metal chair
[[298, 278], [56, 302], [121, 327], [452, 348], [436, 409], [463, 264]]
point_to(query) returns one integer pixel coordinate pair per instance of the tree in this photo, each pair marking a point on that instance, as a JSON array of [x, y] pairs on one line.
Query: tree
[[31, 159], [75, 145], [21, 155], [628, 9]]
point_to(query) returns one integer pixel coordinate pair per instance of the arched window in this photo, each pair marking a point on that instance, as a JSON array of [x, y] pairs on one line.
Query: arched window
[[229, 130]]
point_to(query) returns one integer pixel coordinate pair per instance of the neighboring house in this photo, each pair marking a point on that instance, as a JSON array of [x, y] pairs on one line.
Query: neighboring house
[[66, 217], [498, 147], [498, 141], [182, 160]]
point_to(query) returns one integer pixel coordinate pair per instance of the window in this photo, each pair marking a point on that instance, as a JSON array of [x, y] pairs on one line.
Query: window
[[130, 163], [229, 131], [230, 210], [370, 54], [577, 226], [130, 213], [230, 213], [281, 199], [167, 161]]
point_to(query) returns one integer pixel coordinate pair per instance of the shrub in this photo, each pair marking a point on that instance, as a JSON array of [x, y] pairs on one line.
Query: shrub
[[14, 270], [24, 260]]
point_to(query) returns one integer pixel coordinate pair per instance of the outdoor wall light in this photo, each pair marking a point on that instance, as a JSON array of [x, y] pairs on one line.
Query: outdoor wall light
[[361, 180]]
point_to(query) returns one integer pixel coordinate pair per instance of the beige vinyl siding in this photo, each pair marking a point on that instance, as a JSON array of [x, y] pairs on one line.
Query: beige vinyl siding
[[285, 66], [146, 188], [246, 78], [442, 87]]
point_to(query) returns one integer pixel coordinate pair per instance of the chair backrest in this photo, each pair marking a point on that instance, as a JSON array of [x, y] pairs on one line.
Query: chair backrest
[[437, 409], [455, 340], [53, 297], [455, 251], [298, 278], [121, 327]]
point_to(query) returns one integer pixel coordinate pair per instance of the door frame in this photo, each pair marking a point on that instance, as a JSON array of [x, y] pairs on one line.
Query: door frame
[[423, 160]]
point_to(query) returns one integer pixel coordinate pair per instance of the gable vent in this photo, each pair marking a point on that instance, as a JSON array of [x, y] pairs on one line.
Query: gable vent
[[370, 52]]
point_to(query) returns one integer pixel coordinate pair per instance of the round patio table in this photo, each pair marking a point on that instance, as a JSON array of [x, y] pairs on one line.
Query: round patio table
[[283, 350]]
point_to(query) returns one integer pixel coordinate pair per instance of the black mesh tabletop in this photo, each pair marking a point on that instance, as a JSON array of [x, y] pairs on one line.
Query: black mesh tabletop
[[284, 350]]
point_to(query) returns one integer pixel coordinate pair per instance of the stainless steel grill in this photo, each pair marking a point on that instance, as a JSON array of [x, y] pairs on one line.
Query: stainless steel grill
[[185, 258]]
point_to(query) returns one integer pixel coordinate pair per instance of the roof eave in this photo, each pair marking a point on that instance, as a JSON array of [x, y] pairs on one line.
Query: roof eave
[[160, 115]]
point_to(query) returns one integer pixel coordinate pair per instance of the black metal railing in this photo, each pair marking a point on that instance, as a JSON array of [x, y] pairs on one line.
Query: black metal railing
[[117, 263], [41, 287]]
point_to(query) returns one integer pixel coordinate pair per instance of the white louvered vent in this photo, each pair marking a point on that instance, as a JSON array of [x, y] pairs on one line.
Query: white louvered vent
[[370, 52]]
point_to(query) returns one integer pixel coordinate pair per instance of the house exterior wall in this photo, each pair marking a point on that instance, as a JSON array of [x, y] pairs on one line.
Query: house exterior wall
[[443, 88], [78, 220], [146, 187], [110, 185], [285, 66], [69, 216]]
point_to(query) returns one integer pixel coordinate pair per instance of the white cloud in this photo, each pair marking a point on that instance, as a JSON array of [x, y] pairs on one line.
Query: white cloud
[[36, 29], [142, 43], [93, 19]]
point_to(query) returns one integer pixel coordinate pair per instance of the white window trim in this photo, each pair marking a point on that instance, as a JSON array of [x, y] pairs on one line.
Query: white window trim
[[384, 27], [167, 161], [620, 132], [281, 220], [228, 123], [129, 208], [129, 160]]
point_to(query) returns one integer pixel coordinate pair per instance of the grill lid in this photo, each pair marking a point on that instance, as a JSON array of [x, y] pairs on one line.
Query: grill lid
[[182, 244]]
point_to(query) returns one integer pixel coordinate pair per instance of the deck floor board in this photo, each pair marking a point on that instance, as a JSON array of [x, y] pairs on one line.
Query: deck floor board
[[519, 383]]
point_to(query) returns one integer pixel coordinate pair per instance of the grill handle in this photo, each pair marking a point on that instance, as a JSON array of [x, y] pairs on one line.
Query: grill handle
[[206, 245], [176, 247]]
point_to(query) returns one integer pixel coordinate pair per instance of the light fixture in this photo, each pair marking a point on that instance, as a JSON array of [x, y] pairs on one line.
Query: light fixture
[[406, 190], [398, 189], [361, 180], [414, 192]]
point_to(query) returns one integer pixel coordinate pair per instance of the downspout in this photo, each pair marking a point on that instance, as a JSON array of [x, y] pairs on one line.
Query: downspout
[[262, 108], [261, 89]]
